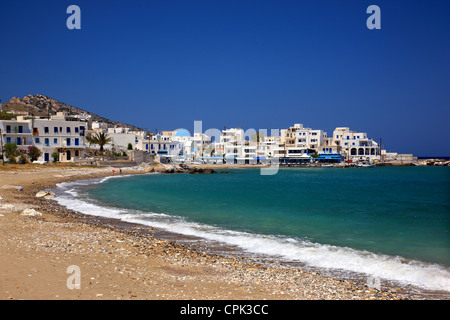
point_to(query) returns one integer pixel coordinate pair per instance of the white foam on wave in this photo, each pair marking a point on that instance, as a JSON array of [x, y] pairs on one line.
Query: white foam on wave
[[424, 275]]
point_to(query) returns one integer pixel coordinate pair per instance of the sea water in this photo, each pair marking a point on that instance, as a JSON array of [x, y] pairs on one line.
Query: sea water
[[391, 223]]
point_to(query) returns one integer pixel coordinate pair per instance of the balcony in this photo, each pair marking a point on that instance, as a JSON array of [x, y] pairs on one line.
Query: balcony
[[23, 131]]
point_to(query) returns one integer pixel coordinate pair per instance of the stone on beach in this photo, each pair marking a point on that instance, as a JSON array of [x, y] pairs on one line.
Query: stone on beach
[[8, 186], [45, 194], [30, 212], [7, 207]]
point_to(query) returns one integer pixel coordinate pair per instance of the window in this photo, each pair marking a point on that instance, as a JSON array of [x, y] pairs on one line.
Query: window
[[55, 141], [45, 129], [8, 139], [47, 142], [20, 129], [36, 140], [55, 129], [68, 141], [348, 137], [76, 129], [77, 141], [68, 129], [8, 129], [146, 146], [151, 146]]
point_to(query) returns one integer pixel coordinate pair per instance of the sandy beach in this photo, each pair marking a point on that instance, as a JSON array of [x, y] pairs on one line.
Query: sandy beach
[[124, 261]]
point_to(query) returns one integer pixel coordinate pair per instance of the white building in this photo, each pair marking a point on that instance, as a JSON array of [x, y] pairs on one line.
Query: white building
[[355, 145], [299, 141], [61, 134], [121, 138], [17, 131], [232, 141], [157, 144]]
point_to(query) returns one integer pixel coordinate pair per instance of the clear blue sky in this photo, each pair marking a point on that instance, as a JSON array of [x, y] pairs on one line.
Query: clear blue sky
[[255, 64]]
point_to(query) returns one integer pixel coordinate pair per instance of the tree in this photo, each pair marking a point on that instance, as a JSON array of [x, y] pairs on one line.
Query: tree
[[34, 153], [11, 151], [99, 138], [130, 146]]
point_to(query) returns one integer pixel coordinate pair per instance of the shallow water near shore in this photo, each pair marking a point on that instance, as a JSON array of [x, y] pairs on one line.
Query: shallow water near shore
[[390, 223]]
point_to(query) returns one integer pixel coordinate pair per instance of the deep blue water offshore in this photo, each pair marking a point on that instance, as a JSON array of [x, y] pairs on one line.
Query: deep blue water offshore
[[386, 222]]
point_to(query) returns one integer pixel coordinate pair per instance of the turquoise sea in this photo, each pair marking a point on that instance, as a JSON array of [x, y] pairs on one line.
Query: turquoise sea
[[392, 223]]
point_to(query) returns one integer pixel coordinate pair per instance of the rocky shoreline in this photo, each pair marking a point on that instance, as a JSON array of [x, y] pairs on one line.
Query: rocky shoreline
[[128, 261]]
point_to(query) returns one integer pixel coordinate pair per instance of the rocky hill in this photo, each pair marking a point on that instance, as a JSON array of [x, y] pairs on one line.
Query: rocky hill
[[40, 105]]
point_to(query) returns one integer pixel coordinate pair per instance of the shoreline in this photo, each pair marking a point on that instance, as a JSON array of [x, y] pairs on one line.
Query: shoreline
[[136, 260]]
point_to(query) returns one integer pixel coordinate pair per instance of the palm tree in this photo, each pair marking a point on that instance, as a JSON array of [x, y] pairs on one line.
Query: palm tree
[[99, 138]]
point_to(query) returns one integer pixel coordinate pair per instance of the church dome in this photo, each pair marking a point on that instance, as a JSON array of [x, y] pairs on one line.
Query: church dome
[[182, 133]]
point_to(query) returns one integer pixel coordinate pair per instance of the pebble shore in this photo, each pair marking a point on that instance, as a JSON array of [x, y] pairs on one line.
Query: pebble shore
[[126, 261]]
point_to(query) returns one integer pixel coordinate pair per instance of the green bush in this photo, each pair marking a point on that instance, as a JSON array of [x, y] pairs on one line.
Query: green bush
[[22, 159], [55, 156], [11, 152]]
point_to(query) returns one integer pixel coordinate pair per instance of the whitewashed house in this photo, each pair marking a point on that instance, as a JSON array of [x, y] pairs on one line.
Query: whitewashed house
[[61, 133], [356, 146]]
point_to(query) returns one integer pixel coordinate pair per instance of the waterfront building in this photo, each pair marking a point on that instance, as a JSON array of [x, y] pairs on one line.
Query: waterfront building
[[17, 131], [157, 144], [232, 140], [61, 133], [355, 146]]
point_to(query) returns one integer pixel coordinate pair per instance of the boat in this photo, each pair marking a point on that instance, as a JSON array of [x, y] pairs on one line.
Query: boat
[[364, 165]]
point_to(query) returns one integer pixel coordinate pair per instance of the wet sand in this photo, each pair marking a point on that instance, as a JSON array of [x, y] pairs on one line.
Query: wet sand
[[126, 261]]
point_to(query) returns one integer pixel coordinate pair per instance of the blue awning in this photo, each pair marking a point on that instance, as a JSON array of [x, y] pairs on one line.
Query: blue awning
[[214, 158], [329, 156]]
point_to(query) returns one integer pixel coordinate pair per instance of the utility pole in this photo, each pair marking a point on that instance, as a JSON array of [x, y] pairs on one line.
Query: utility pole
[[1, 146], [381, 156]]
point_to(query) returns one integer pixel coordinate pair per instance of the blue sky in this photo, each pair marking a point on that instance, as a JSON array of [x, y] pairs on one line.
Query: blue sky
[[255, 64]]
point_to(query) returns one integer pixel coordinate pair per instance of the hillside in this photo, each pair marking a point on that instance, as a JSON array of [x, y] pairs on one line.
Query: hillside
[[37, 105]]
